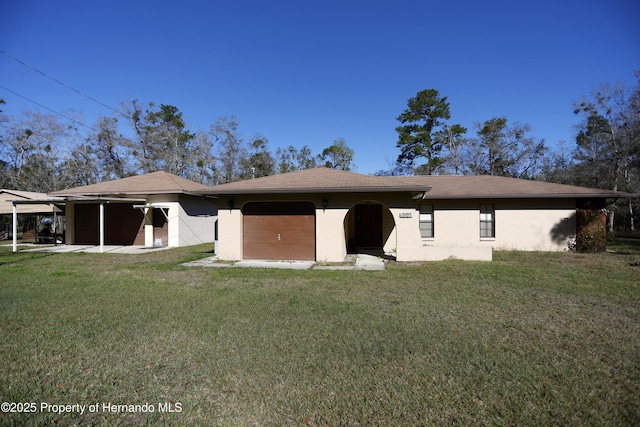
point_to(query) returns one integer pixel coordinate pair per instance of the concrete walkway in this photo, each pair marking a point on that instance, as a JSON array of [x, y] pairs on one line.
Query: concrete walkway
[[362, 262]]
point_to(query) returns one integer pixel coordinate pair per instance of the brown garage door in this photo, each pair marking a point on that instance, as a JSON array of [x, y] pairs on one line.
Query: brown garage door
[[123, 225], [279, 231]]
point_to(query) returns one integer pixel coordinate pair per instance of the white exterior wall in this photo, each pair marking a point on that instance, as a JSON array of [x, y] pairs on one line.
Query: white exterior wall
[[331, 245], [229, 232], [173, 214], [191, 220], [526, 225], [196, 221], [522, 226], [173, 231], [453, 236], [148, 229], [519, 224]]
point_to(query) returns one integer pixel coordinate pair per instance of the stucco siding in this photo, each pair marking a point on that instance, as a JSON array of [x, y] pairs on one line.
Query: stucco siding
[[519, 224], [191, 220], [541, 225], [331, 245], [229, 233], [456, 225], [527, 225], [197, 219]]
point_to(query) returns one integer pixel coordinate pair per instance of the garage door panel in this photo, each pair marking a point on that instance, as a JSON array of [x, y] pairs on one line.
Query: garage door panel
[[279, 237], [123, 225]]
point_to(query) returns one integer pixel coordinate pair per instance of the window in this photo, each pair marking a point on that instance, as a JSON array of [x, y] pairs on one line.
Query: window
[[426, 221], [487, 221]]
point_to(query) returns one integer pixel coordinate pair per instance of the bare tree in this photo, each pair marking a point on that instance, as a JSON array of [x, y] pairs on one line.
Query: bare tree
[[291, 159], [231, 149], [162, 140], [504, 150], [608, 141], [34, 146]]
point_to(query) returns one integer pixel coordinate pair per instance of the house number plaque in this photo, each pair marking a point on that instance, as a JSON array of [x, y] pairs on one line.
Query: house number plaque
[[405, 214]]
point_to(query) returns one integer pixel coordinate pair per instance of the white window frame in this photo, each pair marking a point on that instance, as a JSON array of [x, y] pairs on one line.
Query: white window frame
[[487, 221], [427, 223]]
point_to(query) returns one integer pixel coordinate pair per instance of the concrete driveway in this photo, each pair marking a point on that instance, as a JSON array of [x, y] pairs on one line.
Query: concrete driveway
[[114, 249]]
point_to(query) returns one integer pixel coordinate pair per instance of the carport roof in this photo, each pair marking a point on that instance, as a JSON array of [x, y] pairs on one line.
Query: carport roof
[[151, 183], [325, 180], [37, 202]]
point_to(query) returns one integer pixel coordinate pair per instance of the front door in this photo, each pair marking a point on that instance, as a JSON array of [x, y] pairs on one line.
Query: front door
[[368, 224]]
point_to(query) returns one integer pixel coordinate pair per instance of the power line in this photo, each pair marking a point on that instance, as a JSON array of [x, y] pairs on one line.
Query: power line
[[60, 83], [49, 109]]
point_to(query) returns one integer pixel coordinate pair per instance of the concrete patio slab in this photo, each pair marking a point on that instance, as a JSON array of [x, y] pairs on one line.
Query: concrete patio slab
[[211, 261], [334, 267], [294, 265], [362, 262], [369, 262]]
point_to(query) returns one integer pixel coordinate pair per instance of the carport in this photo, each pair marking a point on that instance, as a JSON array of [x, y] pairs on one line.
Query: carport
[[99, 203], [31, 203]]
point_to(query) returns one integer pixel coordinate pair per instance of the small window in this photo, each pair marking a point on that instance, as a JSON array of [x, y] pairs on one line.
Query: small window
[[487, 221], [426, 221]]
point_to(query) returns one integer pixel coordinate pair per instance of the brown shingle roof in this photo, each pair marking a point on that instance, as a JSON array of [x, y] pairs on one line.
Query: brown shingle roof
[[150, 183], [317, 180], [487, 186], [324, 180]]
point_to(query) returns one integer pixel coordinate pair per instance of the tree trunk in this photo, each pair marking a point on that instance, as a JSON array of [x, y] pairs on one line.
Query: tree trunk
[[612, 211], [612, 214]]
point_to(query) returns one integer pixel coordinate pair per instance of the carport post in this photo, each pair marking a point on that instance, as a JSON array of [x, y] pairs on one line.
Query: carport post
[[15, 228], [101, 227]]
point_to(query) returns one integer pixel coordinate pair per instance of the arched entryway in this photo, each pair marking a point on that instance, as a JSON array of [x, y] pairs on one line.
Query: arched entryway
[[369, 228]]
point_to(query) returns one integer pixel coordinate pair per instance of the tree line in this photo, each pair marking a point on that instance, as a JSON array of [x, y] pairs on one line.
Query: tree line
[[42, 152], [605, 153]]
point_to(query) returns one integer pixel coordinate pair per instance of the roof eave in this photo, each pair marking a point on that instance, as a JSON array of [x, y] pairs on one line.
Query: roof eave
[[535, 196], [76, 199], [412, 189], [123, 194], [48, 201]]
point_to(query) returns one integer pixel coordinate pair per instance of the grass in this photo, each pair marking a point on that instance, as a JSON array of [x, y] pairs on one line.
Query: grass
[[529, 339]]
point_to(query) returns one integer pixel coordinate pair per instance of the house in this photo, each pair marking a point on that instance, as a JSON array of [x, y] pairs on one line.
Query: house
[[154, 209], [321, 214]]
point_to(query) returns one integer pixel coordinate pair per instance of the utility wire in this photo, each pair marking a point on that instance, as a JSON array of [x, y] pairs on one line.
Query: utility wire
[[60, 83], [49, 109]]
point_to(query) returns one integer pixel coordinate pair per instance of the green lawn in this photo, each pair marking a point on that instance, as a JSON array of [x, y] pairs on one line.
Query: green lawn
[[529, 339]]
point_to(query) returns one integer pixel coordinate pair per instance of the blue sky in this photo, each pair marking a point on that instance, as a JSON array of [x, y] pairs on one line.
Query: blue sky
[[309, 72]]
